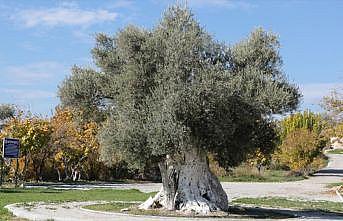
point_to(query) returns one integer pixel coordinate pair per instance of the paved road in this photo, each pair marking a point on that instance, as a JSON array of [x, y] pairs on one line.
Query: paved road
[[73, 211], [313, 188]]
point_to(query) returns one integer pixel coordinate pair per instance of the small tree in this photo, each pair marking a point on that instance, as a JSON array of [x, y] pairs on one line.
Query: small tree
[[299, 150], [34, 135], [301, 120], [75, 146], [333, 104], [6, 111], [172, 94]]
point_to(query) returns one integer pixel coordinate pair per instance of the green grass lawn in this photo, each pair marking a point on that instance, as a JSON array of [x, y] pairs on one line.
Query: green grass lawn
[[336, 151], [266, 176], [334, 184], [10, 195], [279, 202]]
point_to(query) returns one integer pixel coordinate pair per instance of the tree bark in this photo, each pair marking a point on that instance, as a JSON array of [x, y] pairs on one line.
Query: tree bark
[[58, 174], [24, 171], [188, 186]]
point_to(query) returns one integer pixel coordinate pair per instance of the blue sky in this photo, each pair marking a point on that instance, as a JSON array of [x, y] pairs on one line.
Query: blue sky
[[41, 40]]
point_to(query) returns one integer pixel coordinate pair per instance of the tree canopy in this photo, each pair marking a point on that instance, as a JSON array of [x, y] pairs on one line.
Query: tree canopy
[[6, 111], [173, 88], [333, 104]]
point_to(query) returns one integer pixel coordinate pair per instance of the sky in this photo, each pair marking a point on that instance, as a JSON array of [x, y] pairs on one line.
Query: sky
[[41, 40]]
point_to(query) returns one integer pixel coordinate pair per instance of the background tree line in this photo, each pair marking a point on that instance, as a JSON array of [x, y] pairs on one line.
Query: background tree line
[[59, 148], [64, 147]]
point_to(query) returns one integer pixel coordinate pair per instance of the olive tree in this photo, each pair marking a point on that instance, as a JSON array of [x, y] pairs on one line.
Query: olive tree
[[6, 111], [173, 94]]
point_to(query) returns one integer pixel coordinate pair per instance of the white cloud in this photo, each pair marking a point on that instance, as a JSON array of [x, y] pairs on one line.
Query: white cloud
[[63, 15], [221, 3], [31, 73], [32, 85]]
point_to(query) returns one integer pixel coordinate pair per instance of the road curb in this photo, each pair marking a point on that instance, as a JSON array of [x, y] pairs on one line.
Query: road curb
[[338, 192]]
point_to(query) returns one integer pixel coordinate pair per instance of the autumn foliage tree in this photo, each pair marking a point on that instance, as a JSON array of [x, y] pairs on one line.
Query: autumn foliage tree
[[74, 146], [301, 150], [34, 135], [302, 139], [301, 120], [64, 143], [172, 94]]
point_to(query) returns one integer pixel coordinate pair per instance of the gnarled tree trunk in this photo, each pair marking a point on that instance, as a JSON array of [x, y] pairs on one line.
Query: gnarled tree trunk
[[188, 186]]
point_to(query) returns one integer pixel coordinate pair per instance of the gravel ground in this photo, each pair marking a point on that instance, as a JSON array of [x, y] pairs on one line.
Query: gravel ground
[[313, 188]]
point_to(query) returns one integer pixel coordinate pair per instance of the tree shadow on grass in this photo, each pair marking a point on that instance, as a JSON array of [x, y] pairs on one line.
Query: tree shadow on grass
[[329, 172], [269, 213]]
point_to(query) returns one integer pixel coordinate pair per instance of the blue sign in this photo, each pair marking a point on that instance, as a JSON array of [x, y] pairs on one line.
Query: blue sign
[[10, 148]]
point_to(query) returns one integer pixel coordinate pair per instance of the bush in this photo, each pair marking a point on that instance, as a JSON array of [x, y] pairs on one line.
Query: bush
[[301, 151], [245, 170], [259, 160]]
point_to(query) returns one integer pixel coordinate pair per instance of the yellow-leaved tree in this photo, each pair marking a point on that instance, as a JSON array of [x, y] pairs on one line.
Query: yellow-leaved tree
[[75, 146], [301, 151], [301, 142], [64, 139], [34, 135]]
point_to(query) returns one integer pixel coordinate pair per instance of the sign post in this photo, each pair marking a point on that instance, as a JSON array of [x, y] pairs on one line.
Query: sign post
[[1, 170], [10, 150]]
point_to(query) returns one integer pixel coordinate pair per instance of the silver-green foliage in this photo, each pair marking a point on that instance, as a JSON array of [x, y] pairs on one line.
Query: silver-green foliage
[[166, 90], [6, 111]]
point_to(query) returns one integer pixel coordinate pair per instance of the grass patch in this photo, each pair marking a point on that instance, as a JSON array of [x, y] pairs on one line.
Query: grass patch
[[10, 195], [336, 151], [331, 185], [265, 176], [279, 202]]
